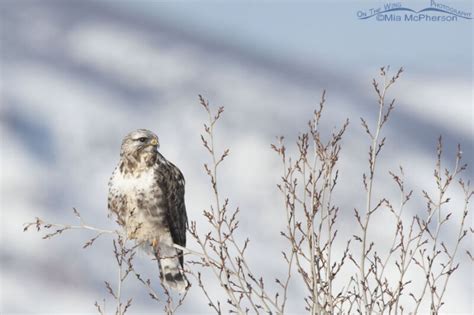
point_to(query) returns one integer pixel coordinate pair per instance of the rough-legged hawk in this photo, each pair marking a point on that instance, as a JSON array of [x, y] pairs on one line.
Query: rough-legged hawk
[[146, 192]]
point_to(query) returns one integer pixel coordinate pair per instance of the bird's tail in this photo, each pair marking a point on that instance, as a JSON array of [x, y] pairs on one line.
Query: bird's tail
[[171, 270]]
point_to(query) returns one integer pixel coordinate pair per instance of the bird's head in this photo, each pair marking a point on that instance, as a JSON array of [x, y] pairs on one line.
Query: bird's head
[[139, 143]]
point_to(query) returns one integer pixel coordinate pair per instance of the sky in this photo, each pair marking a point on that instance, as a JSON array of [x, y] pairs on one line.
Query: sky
[[76, 77], [320, 33]]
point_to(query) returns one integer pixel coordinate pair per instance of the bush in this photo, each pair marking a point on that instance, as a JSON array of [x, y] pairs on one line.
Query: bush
[[358, 280]]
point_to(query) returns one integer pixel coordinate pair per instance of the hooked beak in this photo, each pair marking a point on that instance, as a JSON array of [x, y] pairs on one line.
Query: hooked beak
[[154, 141]]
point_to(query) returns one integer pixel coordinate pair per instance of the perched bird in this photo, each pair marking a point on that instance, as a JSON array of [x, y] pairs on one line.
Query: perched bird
[[146, 193]]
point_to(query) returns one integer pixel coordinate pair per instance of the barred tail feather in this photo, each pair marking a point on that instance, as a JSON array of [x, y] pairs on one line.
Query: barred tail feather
[[171, 272], [174, 279]]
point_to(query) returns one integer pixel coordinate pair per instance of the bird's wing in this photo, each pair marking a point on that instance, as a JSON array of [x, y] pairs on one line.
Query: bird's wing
[[173, 180]]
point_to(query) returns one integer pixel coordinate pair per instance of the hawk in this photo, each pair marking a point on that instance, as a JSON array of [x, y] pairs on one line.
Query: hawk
[[146, 193]]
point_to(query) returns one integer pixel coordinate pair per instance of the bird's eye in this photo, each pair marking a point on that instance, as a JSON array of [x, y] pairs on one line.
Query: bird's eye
[[142, 139]]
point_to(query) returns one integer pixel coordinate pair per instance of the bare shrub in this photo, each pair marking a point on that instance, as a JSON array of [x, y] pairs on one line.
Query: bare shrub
[[308, 181], [124, 252]]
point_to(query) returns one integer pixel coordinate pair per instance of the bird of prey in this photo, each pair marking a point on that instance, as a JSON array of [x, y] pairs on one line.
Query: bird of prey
[[146, 193]]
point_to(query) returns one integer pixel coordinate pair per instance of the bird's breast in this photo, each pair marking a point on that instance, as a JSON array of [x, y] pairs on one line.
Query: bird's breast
[[130, 183], [139, 202]]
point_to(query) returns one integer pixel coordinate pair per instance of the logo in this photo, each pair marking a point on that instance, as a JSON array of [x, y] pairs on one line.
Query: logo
[[396, 12]]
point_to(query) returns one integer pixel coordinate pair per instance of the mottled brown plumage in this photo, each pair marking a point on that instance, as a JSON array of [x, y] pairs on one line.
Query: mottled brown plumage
[[146, 193]]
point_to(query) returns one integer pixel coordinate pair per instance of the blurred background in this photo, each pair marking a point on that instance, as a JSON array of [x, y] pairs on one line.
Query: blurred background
[[76, 76]]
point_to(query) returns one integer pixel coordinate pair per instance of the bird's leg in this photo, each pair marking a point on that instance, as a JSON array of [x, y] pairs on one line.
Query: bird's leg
[[154, 243]]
